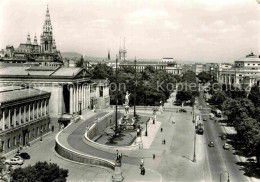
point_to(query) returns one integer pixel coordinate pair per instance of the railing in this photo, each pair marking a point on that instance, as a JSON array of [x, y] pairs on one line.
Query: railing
[[80, 157]]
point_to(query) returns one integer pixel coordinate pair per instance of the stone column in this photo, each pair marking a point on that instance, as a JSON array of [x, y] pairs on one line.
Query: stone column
[[74, 99], [41, 107], [15, 118], [37, 109], [71, 100], [77, 98], [29, 112], [45, 107], [9, 119], [20, 115], [3, 120], [60, 100], [33, 111]]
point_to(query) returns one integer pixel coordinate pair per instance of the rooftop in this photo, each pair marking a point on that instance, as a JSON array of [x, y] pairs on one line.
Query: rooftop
[[19, 94]]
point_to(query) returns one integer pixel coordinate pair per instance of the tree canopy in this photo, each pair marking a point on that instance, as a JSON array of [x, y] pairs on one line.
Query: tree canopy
[[204, 77], [42, 172]]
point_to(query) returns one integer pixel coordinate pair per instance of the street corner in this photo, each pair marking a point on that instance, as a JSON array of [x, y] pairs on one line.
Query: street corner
[[134, 174]]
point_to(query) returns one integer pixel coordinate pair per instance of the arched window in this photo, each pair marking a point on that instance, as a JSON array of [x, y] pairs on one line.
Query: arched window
[[46, 45]]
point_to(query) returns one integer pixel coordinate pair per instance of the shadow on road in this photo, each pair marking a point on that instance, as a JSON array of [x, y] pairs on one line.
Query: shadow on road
[[187, 158], [250, 167]]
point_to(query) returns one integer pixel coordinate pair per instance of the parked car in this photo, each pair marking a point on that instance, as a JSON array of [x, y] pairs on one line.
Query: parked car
[[23, 155], [204, 119], [226, 146], [223, 137], [182, 110], [211, 144], [200, 107], [14, 161]]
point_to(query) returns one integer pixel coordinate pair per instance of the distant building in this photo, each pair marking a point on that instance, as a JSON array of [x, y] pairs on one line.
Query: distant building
[[122, 52], [24, 116], [197, 68], [167, 64], [45, 53], [245, 72]]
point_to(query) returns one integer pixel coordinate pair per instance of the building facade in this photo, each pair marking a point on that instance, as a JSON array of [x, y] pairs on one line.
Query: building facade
[[24, 116], [71, 89], [244, 72], [44, 53]]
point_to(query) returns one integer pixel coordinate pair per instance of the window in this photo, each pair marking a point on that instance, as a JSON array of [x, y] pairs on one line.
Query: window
[[101, 91], [14, 141], [8, 143]]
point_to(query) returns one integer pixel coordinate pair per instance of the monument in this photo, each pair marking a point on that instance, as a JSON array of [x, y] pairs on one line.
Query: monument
[[117, 176], [126, 122]]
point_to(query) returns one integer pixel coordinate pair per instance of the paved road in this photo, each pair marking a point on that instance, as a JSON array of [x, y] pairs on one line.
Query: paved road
[[219, 159], [75, 141]]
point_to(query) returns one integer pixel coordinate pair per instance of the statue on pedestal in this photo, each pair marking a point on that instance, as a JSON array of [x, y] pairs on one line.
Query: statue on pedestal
[[117, 176], [127, 98]]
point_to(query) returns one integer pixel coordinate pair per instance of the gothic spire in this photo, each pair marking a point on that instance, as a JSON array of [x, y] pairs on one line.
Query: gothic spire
[[108, 56], [35, 40], [47, 23], [28, 39]]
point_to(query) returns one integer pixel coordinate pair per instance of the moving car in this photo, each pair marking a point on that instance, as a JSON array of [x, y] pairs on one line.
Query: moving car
[[200, 129], [226, 146], [211, 116], [23, 155], [223, 137], [14, 161], [204, 119], [211, 144]]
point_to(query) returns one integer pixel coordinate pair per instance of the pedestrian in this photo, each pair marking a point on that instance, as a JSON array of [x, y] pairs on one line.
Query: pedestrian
[[142, 163], [87, 128], [161, 129]]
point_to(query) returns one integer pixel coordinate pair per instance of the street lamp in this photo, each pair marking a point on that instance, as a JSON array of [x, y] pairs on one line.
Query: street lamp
[[135, 89], [146, 132], [154, 113], [116, 127], [194, 154], [80, 102], [221, 174]]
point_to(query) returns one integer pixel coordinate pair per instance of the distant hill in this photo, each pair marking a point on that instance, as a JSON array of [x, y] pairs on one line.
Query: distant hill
[[71, 55]]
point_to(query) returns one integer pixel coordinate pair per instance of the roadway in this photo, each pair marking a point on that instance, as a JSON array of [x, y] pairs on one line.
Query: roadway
[[219, 159]]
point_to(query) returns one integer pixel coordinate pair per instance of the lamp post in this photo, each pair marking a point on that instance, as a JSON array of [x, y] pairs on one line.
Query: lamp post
[[194, 154], [221, 174], [80, 112], [135, 89], [146, 132], [154, 113], [116, 127]]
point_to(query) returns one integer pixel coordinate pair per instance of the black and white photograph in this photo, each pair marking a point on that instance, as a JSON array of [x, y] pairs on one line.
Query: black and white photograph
[[129, 90]]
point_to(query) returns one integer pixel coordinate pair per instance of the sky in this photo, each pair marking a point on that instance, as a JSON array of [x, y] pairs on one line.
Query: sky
[[193, 30]]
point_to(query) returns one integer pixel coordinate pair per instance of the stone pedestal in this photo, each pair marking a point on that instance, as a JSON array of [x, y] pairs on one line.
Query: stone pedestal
[[117, 176], [139, 142]]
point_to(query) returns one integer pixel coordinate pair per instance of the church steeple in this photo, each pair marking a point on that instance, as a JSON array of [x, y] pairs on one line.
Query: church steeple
[[46, 36], [28, 39], [47, 23], [35, 40]]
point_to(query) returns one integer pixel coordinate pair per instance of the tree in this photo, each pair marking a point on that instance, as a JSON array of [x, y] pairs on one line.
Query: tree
[[42, 172], [80, 62], [204, 77], [5, 171], [218, 98], [101, 71], [254, 95], [189, 77]]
